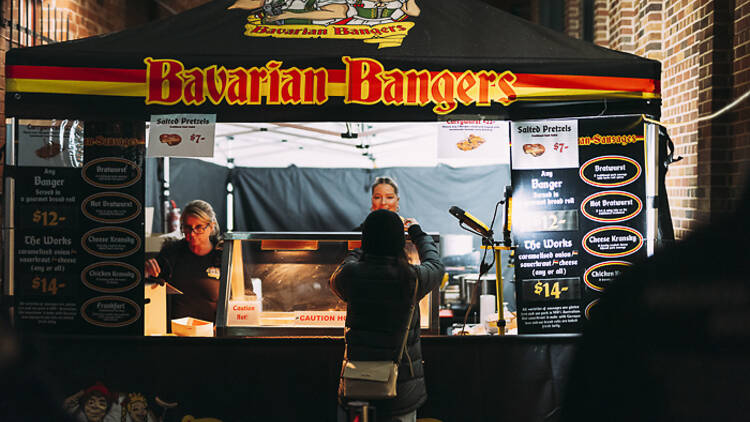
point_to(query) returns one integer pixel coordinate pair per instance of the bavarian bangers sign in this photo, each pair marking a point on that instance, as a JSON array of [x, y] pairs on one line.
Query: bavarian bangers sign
[[361, 81]]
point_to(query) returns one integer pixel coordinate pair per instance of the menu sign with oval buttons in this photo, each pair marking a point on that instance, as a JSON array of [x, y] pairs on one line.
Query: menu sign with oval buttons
[[111, 207], [112, 232], [110, 311], [111, 172], [577, 211], [110, 277]]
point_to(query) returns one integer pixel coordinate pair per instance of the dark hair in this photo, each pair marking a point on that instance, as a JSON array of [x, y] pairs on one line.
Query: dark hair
[[384, 180], [383, 234]]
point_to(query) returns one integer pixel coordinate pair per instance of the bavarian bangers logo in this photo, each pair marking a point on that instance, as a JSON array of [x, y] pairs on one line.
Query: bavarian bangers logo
[[379, 22], [362, 81]]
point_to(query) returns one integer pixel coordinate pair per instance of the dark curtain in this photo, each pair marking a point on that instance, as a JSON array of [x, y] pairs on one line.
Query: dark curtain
[[152, 194], [313, 199], [189, 179]]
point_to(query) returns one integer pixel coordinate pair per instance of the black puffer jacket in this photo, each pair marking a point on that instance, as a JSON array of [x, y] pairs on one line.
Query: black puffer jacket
[[378, 300]]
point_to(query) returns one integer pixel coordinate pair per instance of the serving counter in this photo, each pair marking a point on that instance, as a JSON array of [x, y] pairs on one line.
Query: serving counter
[[276, 284], [279, 346], [295, 378]]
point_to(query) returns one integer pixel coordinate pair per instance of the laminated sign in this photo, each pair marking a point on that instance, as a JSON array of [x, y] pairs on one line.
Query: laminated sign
[[182, 135], [579, 191], [474, 140]]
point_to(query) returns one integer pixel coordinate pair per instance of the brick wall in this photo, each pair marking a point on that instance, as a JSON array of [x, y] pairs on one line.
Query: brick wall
[[741, 77], [573, 19], [601, 23], [621, 21], [704, 48], [717, 174], [680, 107], [647, 29]]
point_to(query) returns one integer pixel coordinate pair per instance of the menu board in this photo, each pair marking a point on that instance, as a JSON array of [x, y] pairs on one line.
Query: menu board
[[578, 196], [47, 252], [79, 237], [112, 245]]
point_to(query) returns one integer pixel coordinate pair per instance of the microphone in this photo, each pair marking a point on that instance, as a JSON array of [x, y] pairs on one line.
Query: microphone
[[471, 221], [508, 220]]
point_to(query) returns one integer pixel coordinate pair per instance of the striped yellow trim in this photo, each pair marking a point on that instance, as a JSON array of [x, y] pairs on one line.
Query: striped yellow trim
[[541, 93], [119, 89], [334, 89]]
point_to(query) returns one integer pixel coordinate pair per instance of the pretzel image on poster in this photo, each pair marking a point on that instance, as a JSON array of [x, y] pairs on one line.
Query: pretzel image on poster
[[534, 150], [170, 139], [472, 142]]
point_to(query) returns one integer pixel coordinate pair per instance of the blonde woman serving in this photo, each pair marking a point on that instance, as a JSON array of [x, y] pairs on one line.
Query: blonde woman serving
[[192, 264]]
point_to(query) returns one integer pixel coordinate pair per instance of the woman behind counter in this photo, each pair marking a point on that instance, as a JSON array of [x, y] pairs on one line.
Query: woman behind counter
[[384, 196], [377, 283], [192, 264], [384, 192]]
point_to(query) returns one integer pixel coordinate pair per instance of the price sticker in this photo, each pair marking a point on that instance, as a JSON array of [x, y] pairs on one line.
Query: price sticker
[[552, 290]]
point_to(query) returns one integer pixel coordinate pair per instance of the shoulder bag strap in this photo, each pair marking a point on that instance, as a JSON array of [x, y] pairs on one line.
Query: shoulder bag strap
[[408, 321]]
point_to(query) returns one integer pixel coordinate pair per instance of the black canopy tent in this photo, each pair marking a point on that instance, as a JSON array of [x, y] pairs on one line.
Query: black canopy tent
[[452, 60], [449, 60], [531, 71]]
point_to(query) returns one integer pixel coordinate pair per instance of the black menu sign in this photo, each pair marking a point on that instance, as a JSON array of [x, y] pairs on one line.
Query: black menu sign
[[111, 240], [47, 251], [578, 215], [79, 237]]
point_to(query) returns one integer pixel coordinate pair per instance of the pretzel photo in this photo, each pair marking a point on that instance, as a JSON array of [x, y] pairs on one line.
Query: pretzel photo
[[534, 150], [170, 139]]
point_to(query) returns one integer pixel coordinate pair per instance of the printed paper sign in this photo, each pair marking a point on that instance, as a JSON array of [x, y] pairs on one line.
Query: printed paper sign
[[49, 143], [549, 144], [243, 313], [474, 139], [182, 135]]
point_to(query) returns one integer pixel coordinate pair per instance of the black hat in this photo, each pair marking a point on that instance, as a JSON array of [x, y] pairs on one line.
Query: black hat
[[383, 233]]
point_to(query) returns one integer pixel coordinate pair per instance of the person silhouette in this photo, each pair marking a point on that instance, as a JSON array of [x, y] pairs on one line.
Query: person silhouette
[[669, 341]]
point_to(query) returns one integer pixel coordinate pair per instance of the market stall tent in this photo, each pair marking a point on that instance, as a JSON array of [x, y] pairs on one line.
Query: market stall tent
[[408, 61], [257, 65], [443, 60]]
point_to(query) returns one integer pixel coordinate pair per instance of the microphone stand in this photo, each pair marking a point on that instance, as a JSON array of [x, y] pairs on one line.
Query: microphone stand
[[497, 248], [488, 242]]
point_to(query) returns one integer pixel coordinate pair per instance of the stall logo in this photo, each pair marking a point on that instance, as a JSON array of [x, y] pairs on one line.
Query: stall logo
[[380, 22], [362, 81]]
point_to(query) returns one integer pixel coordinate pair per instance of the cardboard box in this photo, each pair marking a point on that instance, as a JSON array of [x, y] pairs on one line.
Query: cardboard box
[[192, 327]]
